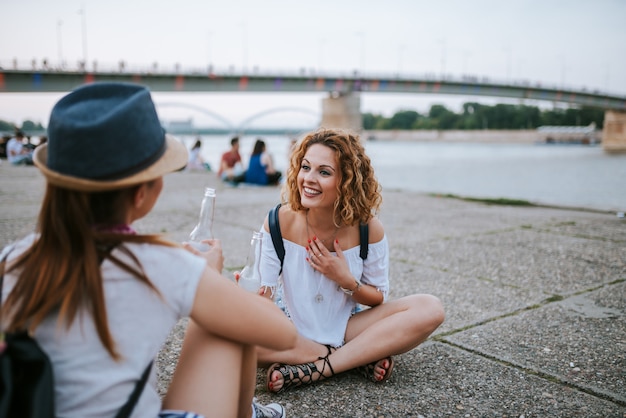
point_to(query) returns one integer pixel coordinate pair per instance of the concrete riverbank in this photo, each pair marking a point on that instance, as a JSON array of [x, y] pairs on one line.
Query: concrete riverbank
[[535, 300], [523, 136]]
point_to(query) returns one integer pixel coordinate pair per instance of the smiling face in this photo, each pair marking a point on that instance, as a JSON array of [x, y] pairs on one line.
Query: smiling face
[[319, 177]]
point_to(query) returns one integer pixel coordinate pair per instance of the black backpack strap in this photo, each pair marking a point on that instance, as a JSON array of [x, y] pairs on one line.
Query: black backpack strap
[[128, 407], [277, 238], [364, 230]]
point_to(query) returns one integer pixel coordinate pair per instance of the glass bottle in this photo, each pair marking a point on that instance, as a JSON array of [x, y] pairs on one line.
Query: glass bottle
[[250, 276], [204, 228]]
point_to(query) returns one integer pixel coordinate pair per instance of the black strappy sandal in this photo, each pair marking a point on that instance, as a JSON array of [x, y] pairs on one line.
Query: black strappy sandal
[[291, 373]]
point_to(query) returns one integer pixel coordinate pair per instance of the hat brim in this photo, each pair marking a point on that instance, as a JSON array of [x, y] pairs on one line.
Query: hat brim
[[174, 158]]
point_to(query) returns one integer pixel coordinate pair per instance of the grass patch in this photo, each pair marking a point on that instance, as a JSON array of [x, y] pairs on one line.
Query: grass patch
[[554, 298], [488, 201]]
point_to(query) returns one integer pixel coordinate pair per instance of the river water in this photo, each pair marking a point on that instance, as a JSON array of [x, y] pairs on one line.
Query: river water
[[581, 176]]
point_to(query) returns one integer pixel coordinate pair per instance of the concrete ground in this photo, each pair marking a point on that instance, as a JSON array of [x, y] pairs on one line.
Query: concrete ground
[[535, 300]]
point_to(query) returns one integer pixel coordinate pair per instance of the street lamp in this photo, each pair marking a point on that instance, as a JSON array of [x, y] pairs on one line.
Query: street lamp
[[362, 62], [245, 46], [209, 47], [443, 57], [59, 41], [84, 19], [401, 49], [321, 54], [507, 50]]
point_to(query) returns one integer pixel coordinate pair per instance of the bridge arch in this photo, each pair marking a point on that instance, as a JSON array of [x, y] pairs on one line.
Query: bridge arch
[[229, 125], [246, 122]]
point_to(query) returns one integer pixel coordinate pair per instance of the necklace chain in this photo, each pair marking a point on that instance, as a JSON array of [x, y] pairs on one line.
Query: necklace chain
[[319, 298], [331, 238]]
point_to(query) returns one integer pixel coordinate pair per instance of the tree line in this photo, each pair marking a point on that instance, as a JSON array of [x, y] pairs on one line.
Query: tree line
[[479, 116], [473, 116], [27, 126]]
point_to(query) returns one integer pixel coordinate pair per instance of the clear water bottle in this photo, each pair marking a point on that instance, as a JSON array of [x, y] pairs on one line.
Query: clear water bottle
[[250, 276], [204, 229]]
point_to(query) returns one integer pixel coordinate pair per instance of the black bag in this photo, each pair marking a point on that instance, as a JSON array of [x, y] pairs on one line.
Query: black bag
[[27, 384], [26, 379]]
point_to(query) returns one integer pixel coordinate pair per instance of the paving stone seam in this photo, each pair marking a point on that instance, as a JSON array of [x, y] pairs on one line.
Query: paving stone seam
[[552, 299], [591, 390], [581, 236], [541, 373]]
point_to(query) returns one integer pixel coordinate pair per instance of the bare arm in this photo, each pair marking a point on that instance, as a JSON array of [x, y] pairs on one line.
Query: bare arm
[[266, 160], [223, 309]]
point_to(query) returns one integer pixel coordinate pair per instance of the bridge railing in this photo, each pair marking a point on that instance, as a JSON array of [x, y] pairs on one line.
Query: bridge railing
[[156, 68]]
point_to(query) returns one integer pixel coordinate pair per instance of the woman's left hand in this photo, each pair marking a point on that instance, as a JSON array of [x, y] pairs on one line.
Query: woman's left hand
[[333, 267], [213, 256]]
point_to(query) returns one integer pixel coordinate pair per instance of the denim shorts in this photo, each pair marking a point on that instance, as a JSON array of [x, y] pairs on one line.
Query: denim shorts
[[178, 414]]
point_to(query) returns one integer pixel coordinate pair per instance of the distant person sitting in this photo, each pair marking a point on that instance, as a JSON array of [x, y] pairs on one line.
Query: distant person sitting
[[17, 153], [42, 140], [230, 164], [196, 162], [261, 167]]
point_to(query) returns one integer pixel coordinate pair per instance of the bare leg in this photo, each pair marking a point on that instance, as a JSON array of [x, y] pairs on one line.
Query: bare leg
[[248, 381], [214, 376], [304, 351], [392, 328]]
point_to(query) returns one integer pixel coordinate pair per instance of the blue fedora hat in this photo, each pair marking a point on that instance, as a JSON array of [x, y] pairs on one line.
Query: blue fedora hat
[[105, 136]]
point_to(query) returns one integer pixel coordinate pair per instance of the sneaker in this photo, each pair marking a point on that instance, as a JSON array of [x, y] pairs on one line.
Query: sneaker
[[273, 410]]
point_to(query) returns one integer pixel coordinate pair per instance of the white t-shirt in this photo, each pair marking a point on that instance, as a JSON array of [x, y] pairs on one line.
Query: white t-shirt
[[322, 321], [14, 149], [88, 382]]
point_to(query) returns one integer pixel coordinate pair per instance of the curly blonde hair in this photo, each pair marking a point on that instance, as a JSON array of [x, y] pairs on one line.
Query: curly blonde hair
[[358, 190]]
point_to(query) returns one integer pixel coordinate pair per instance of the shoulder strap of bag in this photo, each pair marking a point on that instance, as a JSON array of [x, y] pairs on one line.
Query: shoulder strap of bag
[[364, 230], [277, 238], [128, 407]]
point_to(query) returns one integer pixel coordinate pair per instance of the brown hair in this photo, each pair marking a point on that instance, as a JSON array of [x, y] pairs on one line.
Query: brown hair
[[61, 270], [359, 193]]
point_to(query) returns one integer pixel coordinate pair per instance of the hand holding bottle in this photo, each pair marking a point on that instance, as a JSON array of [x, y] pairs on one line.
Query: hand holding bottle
[[213, 255]]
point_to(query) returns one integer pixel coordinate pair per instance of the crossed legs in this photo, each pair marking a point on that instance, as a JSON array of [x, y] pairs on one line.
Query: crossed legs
[[372, 335], [214, 376]]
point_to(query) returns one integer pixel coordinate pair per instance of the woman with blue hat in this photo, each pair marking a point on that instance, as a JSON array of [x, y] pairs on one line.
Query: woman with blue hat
[[101, 299]]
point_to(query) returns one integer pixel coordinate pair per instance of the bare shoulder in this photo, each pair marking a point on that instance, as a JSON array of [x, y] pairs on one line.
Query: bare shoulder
[[376, 230], [286, 217]]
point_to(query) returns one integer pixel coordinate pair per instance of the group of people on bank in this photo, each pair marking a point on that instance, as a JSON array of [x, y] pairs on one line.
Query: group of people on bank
[[18, 149], [260, 170], [101, 298]]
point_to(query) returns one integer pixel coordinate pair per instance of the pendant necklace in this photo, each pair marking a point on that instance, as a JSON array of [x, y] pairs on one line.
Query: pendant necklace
[[319, 298], [331, 238]]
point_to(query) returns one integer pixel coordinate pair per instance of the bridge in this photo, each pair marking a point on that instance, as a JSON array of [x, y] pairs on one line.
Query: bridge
[[341, 108]]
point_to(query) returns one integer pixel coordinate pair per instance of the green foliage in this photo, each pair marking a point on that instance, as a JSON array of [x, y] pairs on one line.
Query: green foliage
[[477, 116], [405, 119], [29, 125], [6, 126]]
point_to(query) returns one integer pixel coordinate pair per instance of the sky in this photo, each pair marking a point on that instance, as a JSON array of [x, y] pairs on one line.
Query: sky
[[571, 43]]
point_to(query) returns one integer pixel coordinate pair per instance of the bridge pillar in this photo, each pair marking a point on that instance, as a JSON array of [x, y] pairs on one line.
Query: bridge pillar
[[614, 132], [342, 111]]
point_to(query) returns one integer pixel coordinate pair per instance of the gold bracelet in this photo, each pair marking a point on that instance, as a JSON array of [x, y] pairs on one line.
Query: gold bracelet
[[356, 289]]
